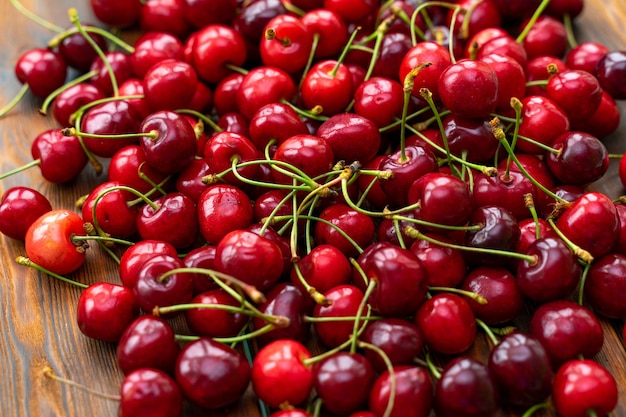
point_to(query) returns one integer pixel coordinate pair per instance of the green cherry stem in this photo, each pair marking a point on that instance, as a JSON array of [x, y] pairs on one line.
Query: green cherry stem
[[11, 104], [46, 103], [54, 42], [392, 376], [581, 253], [538, 12], [22, 260], [532, 410], [492, 337], [476, 297], [49, 373], [206, 119], [583, 280], [317, 296], [431, 366], [569, 30], [35, 18], [371, 285]]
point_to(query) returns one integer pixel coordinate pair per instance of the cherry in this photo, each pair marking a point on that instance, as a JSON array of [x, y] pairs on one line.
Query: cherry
[[111, 118], [400, 278], [164, 15], [466, 388], [215, 322], [521, 368], [566, 330], [481, 37], [592, 208], [479, 84], [451, 312], [413, 392], [251, 20], [310, 154], [504, 45], [134, 87], [610, 72], [343, 381], [398, 338], [201, 13], [287, 44], [136, 255], [532, 230], [173, 146], [128, 167], [42, 70], [72, 99], [150, 392], [169, 84], [61, 158], [152, 290], [234, 122], [379, 99], [113, 213], [498, 286], [471, 138], [340, 301], [276, 121], [284, 300], [211, 374], [49, 244], [425, 52], [511, 79], [254, 259], [358, 226], [351, 10], [263, 85], [323, 268], [388, 232], [147, 342], [152, 48], [393, 49], [328, 84], [120, 13], [484, 14], [547, 37], [585, 56], [577, 92], [105, 310], [445, 267], [542, 121], [223, 208], [605, 284], [560, 8], [499, 231], [582, 386], [19, 208], [122, 71], [516, 9], [604, 121], [214, 46], [171, 218], [280, 374], [342, 131], [539, 70], [507, 189], [330, 28], [220, 151]]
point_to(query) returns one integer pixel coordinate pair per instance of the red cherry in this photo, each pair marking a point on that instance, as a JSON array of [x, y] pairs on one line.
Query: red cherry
[[323, 268], [585, 56], [358, 226], [341, 301], [428, 77], [105, 310], [49, 243], [197, 377], [275, 121], [113, 213], [330, 27], [122, 71], [165, 15], [580, 386], [604, 121], [280, 374], [261, 86], [201, 13], [400, 339], [221, 149], [120, 13], [135, 256], [506, 189], [174, 220], [223, 208], [287, 45], [450, 312], [72, 99], [152, 48], [311, 154], [445, 266], [43, 70], [19, 208], [214, 322], [61, 157], [605, 286], [542, 121], [327, 84], [511, 79], [134, 87], [379, 99], [610, 72], [537, 69], [547, 36], [150, 392], [413, 396], [351, 10], [577, 92], [213, 47], [110, 118], [343, 131], [169, 84], [128, 167]]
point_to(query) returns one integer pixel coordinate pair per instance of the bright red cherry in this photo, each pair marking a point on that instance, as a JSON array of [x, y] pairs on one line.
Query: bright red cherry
[[150, 392], [19, 208]]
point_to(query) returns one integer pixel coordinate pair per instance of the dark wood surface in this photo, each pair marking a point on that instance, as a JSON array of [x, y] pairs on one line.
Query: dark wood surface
[[37, 314]]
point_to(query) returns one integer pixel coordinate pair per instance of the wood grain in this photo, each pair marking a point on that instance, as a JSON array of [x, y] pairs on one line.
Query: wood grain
[[37, 314]]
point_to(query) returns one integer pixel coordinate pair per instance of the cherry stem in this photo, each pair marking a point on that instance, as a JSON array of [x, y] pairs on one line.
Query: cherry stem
[[476, 297], [398, 230], [398, 122], [46, 103], [78, 113], [292, 9], [349, 202], [492, 337], [49, 373], [73, 131], [314, 114], [344, 52], [202, 117], [81, 238], [431, 366], [22, 260], [91, 231], [517, 107], [407, 89], [54, 42], [422, 8], [317, 296], [532, 410], [569, 30], [416, 234], [581, 253], [371, 285], [20, 169], [310, 59], [583, 280], [236, 69], [539, 144], [428, 96], [32, 16], [392, 375], [458, 9], [380, 33], [276, 321], [19, 96], [533, 19], [74, 19]]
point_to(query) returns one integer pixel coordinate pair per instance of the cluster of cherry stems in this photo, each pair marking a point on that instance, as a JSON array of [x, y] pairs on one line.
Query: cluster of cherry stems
[[386, 175]]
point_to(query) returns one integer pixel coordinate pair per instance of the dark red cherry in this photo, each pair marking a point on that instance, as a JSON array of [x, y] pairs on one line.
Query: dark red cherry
[[504, 45], [353, 10], [215, 322], [109, 209], [343, 131], [356, 225], [61, 157], [164, 15], [150, 392], [583, 386], [414, 392], [604, 121], [511, 79], [400, 339], [43, 70], [559, 8], [19, 208], [521, 368], [611, 71], [136, 255], [421, 53], [134, 87], [499, 230], [471, 138], [341, 301], [585, 56], [285, 300], [445, 267], [174, 220], [506, 189], [72, 99], [567, 330], [105, 310], [201, 13], [122, 71], [323, 268], [466, 388], [211, 374], [451, 312], [498, 286], [275, 121], [119, 13], [128, 167], [343, 381], [577, 92], [546, 37], [169, 84], [605, 286], [174, 145], [148, 342], [280, 374], [312, 155]]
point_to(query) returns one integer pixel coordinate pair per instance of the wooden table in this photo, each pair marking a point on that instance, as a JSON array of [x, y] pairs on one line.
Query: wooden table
[[37, 314]]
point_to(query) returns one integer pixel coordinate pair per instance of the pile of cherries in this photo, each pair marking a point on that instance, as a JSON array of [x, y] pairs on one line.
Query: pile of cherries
[[380, 180]]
